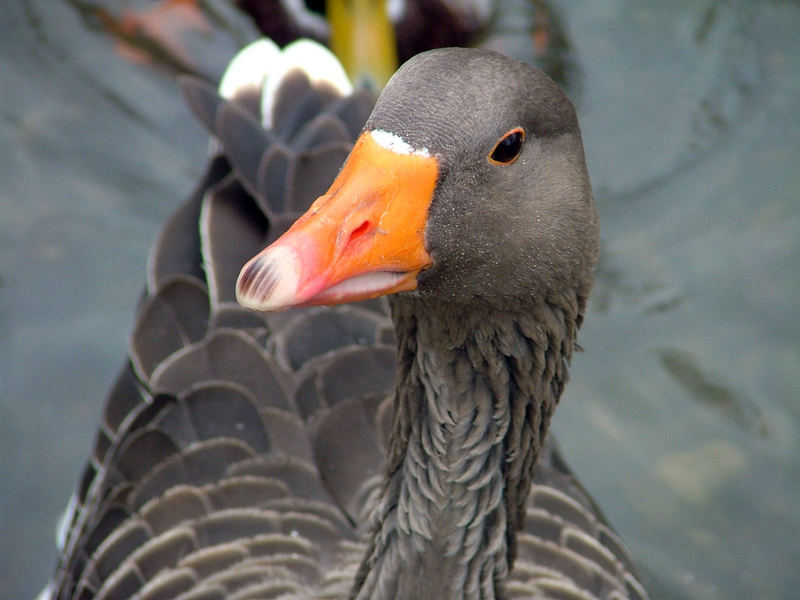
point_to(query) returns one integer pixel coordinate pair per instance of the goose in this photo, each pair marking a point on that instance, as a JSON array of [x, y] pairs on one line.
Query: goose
[[417, 25], [347, 393]]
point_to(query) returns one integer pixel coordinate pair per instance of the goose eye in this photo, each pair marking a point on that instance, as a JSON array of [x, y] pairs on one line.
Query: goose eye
[[508, 148]]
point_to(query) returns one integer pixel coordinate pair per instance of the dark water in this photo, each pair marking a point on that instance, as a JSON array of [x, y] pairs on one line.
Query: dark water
[[683, 414]]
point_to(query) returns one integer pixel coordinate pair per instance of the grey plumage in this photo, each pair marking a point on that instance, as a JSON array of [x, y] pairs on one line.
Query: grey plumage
[[298, 454]]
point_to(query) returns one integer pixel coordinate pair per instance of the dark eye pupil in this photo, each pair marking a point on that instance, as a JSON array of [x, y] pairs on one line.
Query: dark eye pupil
[[508, 148]]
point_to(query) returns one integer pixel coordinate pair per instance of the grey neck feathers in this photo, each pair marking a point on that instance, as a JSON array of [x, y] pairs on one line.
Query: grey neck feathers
[[476, 390]]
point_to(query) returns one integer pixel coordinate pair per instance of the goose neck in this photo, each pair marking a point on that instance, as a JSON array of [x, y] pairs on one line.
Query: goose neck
[[475, 393]]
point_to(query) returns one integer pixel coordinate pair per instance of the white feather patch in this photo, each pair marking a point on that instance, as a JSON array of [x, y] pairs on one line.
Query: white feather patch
[[394, 143], [249, 68], [315, 60]]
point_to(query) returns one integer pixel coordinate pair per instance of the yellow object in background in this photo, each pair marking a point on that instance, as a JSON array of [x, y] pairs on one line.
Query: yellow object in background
[[362, 37]]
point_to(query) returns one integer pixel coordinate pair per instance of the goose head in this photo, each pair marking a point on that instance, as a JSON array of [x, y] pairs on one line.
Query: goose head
[[468, 184]]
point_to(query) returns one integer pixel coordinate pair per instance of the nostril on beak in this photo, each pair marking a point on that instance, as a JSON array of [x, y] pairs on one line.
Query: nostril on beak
[[359, 231]]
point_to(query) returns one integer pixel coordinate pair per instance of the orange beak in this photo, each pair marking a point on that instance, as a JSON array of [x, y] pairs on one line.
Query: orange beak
[[364, 238]]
